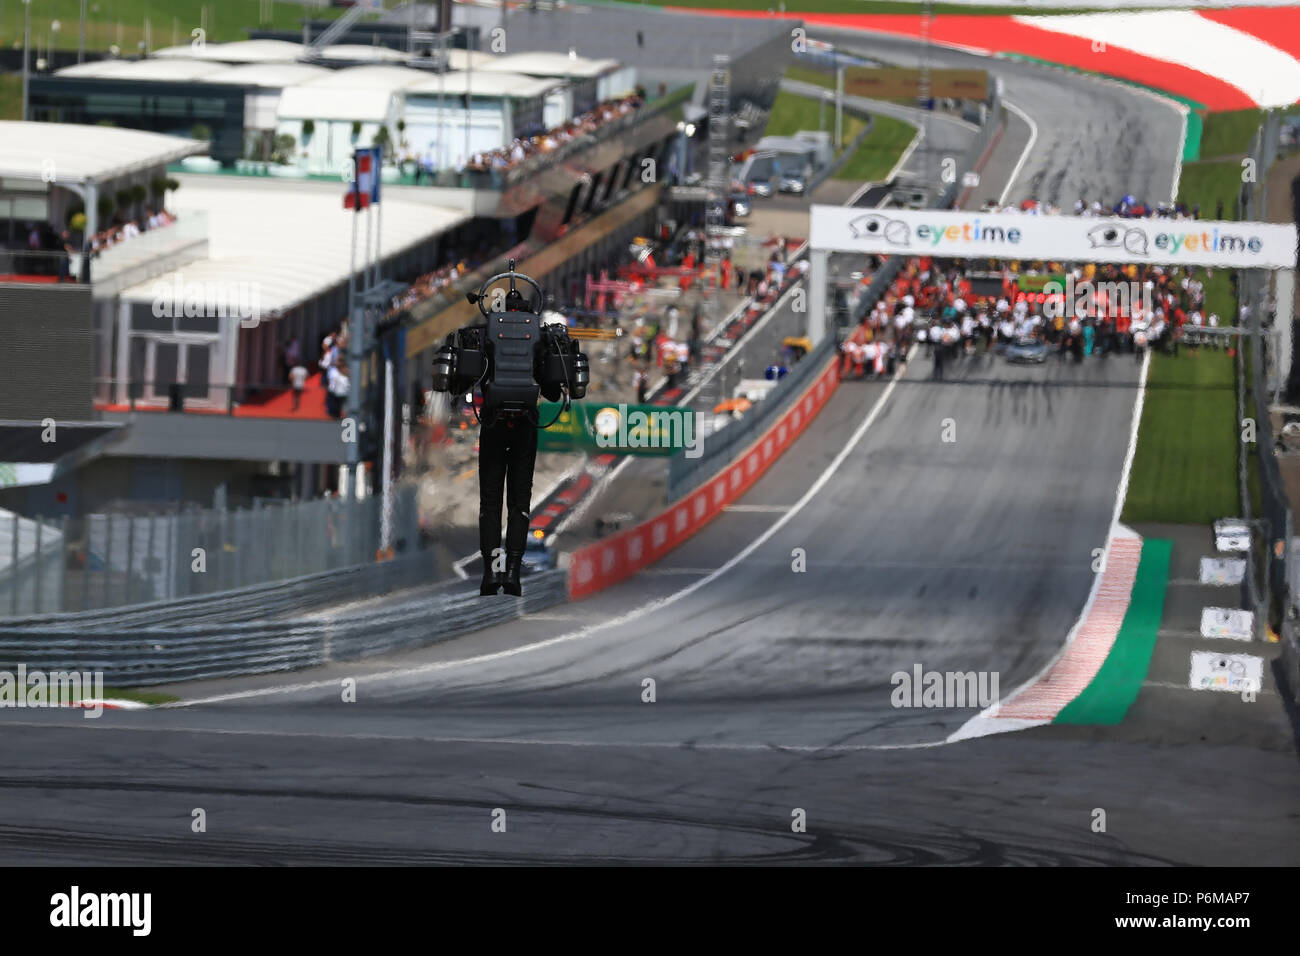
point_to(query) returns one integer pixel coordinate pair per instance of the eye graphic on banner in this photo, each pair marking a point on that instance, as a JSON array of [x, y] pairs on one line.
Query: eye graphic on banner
[[1133, 240], [873, 225], [1058, 237]]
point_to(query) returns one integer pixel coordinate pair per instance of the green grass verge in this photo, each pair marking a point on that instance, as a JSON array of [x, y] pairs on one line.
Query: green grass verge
[[879, 151], [878, 6], [1207, 183], [1229, 133], [11, 96], [1185, 468], [807, 74], [1111, 693], [140, 696], [122, 22], [792, 113]]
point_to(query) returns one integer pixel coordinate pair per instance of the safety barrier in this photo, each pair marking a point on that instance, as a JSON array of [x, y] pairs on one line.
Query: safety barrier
[[300, 595], [138, 656], [605, 563], [719, 448], [87, 562]]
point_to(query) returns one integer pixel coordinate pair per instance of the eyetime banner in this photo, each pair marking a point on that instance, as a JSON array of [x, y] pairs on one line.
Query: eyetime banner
[[619, 428], [904, 83], [1244, 245]]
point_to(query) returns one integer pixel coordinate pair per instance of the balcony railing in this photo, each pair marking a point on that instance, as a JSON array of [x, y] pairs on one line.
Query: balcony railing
[[245, 399], [36, 265]]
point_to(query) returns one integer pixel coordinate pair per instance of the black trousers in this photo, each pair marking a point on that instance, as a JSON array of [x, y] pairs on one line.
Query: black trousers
[[507, 452]]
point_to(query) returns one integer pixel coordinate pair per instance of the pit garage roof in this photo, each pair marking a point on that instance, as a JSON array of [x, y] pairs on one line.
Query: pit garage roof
[[549, 64], [174, 70], [290, 241], [86, 154], [95, 68], [371, 78], [511, 85], [273, 75], [358, 51], [238, 51], [459, 59], [314, 102]]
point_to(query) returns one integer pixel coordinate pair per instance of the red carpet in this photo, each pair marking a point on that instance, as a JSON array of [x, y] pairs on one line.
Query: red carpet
[[272, 405]]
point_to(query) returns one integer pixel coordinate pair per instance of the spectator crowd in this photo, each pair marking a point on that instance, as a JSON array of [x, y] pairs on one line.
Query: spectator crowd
[[1115, 309], [41, 238], [522, 148]]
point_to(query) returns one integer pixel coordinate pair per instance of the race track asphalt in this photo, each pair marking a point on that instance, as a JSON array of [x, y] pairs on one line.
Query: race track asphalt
[[772, 689], [772, 686]]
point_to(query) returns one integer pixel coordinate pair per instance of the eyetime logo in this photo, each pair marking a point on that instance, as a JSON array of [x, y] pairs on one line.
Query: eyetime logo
[[76, 909], [944, 688], [1135, 240], [181, 299], [898, 233], [617, 427], [36, 688]]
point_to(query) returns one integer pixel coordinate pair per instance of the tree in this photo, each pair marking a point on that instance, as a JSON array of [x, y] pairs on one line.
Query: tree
[[284, 148], [308, 128], [382, 141], [201, 131]]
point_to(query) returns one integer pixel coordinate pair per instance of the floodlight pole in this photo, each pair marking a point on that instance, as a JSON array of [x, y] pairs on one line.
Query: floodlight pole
[[839, 108], [355, 323], [27, 39], [386, 502]]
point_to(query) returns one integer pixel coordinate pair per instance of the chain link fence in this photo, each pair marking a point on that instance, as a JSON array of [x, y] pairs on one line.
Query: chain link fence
[[97, 561], [1267, 582]]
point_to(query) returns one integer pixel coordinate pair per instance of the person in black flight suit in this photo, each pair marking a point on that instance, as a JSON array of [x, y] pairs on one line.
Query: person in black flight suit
[[507, 453]]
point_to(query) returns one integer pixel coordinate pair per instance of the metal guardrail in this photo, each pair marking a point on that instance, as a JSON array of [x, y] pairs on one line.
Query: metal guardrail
[[92, 562], [300, 595], [144, 656], [53, 264], [720, 448]]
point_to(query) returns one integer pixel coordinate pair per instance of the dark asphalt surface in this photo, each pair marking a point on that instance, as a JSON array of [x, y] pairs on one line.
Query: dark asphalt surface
[[1096, 138], [772, 686], [772, 690]]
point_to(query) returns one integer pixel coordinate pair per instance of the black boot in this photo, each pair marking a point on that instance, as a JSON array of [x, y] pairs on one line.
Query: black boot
[[510, 583], [492, 580]]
